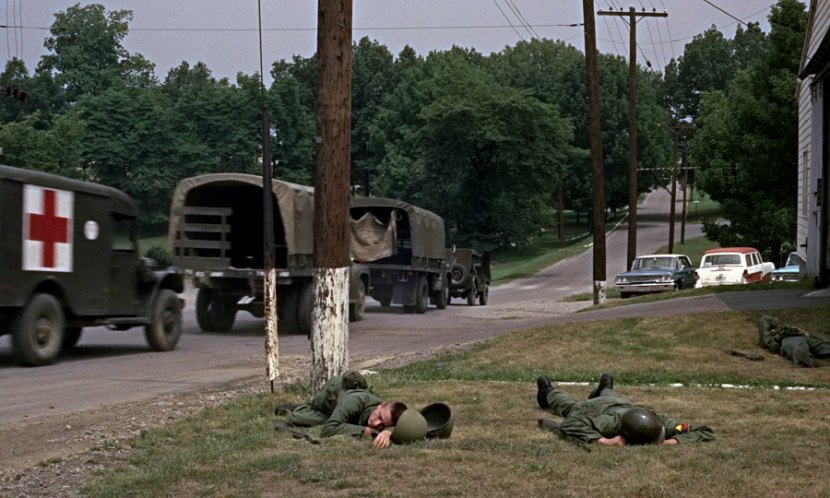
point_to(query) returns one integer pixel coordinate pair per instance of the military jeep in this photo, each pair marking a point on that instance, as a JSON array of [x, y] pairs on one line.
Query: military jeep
[[469, 275], [70, 259]]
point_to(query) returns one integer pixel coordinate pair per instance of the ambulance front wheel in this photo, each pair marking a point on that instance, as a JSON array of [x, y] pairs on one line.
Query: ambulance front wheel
[[38, 333], [165, 327]]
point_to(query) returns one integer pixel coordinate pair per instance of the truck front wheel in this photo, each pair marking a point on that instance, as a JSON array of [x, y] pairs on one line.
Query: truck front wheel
[[38, 334], [165, 325]]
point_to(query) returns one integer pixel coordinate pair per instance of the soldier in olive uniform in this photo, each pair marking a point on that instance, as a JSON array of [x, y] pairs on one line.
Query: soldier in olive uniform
[[795, 343], [344, 406], [607, 419]]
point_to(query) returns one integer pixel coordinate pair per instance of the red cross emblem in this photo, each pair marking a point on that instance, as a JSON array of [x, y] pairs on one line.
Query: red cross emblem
[[47, 229]]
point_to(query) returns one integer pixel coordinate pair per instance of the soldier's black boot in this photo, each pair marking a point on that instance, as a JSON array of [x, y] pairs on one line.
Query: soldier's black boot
[[543, 388], [605, 382]]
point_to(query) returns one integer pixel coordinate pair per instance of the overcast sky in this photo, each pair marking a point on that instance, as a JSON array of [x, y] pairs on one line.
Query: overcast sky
[[224, 33]]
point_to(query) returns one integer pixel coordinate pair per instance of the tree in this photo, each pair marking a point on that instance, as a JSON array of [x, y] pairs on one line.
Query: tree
[[746, 147], [86, 53]]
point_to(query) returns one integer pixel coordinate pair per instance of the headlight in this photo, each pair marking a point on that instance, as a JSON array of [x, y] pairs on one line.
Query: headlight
[[621, 280], [666, 278]]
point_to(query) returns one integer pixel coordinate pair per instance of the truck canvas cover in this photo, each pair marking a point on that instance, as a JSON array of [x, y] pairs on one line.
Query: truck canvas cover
[[378, 226], [240, 195]]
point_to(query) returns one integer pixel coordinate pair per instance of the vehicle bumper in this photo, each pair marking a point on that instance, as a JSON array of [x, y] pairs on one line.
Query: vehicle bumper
[[645, 288]]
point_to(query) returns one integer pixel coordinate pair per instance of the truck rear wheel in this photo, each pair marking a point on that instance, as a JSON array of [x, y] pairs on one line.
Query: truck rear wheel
[[442, 297], [357, 308], [422, 298], [38, 334], [287, 310], [165, 327], [214, 312], [305, 306]]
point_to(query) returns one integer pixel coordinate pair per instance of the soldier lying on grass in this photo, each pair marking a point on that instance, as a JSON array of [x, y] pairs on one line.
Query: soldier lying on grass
[[345, 406], [607, 419]]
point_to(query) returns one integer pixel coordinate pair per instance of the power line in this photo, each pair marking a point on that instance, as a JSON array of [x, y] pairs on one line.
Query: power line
[[725, 12]]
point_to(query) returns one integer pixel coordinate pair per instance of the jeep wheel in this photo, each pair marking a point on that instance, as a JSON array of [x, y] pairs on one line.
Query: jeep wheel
[[458, 274], [71, 336], [165, 327], [484, 296], [38, 333], [471, 294], [357, 308]]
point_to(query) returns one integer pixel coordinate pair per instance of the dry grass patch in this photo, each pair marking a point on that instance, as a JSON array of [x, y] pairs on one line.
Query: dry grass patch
[[769, 442]]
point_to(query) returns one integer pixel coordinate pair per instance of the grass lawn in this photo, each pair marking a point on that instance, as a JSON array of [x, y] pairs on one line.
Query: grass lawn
[[770, 440]]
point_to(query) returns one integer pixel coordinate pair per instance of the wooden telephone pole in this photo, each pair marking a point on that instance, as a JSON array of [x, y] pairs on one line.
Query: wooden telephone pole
[[330, 316], [597, 181], [632, 125]]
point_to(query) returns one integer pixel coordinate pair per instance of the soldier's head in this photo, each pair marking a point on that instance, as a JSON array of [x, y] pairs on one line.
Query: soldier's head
[[641, 426], [386, 415]]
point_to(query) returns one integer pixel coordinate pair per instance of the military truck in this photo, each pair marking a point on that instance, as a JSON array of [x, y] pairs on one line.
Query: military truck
[[403, 247], [216, 239], [70, 259], [469, 275]]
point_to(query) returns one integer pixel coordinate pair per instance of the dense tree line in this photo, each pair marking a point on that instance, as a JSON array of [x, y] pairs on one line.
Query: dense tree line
[[492, 143]]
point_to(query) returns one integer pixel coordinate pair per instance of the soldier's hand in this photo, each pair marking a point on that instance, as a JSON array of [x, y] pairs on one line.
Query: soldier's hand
[[383, 439], [614, 441], [670, 441]]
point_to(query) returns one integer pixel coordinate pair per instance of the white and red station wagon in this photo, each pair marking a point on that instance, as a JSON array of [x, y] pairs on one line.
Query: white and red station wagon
[[732, 265]]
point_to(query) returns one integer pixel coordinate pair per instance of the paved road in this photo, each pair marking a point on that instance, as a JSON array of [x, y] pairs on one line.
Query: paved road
[[110, 368]]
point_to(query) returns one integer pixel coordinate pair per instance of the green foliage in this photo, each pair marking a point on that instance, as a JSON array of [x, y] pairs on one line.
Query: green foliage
[[746, 145]]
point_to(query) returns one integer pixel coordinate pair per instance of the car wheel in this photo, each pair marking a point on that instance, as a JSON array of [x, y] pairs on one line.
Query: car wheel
[[484, 296], [471, 294], [71, 336], [678, 285], [357, 308], [38, 333], [625, 295], [165, 327]]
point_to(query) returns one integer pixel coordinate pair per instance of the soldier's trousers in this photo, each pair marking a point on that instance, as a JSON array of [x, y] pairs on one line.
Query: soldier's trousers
[[561, 402]]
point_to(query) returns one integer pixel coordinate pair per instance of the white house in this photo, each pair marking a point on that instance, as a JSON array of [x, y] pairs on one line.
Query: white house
[[814, 143]]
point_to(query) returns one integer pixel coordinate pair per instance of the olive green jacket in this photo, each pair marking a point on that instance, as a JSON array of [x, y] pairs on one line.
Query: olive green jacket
[[351, 414], [602, 417]]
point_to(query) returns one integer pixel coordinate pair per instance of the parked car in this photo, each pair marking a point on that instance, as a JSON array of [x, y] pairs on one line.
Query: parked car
[[791, 271], [732, 265], [469, 275], [656, 273]]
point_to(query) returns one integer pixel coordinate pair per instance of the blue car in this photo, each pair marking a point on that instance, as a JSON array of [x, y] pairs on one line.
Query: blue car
[[791, 271], [656, 273]]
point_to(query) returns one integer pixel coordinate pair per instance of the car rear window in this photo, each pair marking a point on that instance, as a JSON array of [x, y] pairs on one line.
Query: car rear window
[[722, 260]]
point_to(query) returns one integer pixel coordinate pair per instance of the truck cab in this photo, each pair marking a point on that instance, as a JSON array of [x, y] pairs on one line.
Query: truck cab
[[70, 259]]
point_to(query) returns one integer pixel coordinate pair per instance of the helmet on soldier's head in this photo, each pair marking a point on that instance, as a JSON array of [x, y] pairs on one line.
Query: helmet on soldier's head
[[640, 426], [439, 420], [411, 426]]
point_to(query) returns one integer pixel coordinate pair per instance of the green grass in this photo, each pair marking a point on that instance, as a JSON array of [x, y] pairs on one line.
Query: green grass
[[545, 250], [675, 365]]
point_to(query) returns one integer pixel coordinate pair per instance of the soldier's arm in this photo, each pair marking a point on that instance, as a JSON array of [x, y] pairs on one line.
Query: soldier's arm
[[341, 421]]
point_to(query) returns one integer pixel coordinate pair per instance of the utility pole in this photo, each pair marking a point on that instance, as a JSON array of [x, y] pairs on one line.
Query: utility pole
[[330, 315], [597, 181], [272, 350], [685, 189], [632, 124]]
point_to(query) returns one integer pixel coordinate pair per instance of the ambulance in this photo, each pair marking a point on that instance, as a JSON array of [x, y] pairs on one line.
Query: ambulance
[[69, 259]]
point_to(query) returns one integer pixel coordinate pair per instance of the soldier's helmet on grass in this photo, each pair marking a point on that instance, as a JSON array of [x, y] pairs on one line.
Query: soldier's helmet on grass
[[411, 427], [439, 420], [641, 426]]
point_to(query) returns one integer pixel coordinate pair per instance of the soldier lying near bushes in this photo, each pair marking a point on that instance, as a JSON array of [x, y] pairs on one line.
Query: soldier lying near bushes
[[797, 344]]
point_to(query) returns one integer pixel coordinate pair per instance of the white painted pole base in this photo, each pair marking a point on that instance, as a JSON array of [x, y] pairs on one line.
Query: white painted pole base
[[329, 325], [272, 347], [599, 292]]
